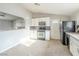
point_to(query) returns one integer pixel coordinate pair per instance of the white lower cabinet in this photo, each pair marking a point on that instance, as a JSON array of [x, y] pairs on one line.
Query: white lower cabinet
[[74, 46], [33, 34], [47, 35], [78, 50]]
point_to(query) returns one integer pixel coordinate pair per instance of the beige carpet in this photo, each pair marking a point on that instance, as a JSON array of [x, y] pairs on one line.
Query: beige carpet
[[38, 48]]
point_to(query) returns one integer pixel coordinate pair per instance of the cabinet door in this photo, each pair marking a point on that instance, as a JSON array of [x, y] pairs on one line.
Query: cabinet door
[[35, 22], [74, 47], [47, 33], [78, 50], [45, 19], [33, 34]]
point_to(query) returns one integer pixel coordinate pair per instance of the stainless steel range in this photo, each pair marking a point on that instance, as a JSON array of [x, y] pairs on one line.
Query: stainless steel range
[[41, 30]]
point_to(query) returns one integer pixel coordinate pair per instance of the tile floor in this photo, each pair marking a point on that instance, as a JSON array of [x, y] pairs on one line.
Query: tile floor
[[38, 48]]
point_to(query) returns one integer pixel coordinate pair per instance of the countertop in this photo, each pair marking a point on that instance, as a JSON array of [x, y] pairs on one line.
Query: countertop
[[73, 34]]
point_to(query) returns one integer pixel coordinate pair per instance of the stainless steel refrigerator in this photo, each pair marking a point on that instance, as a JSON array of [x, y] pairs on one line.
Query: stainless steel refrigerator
[[66, 26]]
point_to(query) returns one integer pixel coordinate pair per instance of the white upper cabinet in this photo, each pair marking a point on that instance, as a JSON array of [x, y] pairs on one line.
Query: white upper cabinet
[[36, 21]]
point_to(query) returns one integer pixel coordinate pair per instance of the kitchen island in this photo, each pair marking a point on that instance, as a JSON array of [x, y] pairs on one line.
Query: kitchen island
[[73, 43]]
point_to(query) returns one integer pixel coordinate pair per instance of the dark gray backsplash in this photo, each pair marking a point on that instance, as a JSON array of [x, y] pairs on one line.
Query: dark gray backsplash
[[37, 27]]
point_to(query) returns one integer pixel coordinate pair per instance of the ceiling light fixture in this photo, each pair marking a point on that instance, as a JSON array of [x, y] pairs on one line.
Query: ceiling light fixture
[[37, 4]]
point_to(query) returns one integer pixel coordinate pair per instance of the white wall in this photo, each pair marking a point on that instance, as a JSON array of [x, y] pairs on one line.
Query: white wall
[[52, 16], [75, 17], [18, 10], [9, 39], [5, 25], [55, 30]]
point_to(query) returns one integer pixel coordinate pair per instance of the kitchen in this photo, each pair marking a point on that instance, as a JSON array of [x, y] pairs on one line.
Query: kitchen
[[58, 21], [66, 36], [49, 28]]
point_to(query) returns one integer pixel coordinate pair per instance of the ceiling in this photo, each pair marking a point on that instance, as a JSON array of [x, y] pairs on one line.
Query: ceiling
[[5, 16], [53, 8]]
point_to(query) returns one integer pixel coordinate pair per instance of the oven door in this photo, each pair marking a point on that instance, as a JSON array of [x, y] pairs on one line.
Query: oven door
[[41, 35]]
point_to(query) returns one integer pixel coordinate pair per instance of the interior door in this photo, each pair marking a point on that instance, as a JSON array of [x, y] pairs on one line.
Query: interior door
[[55, 30]]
